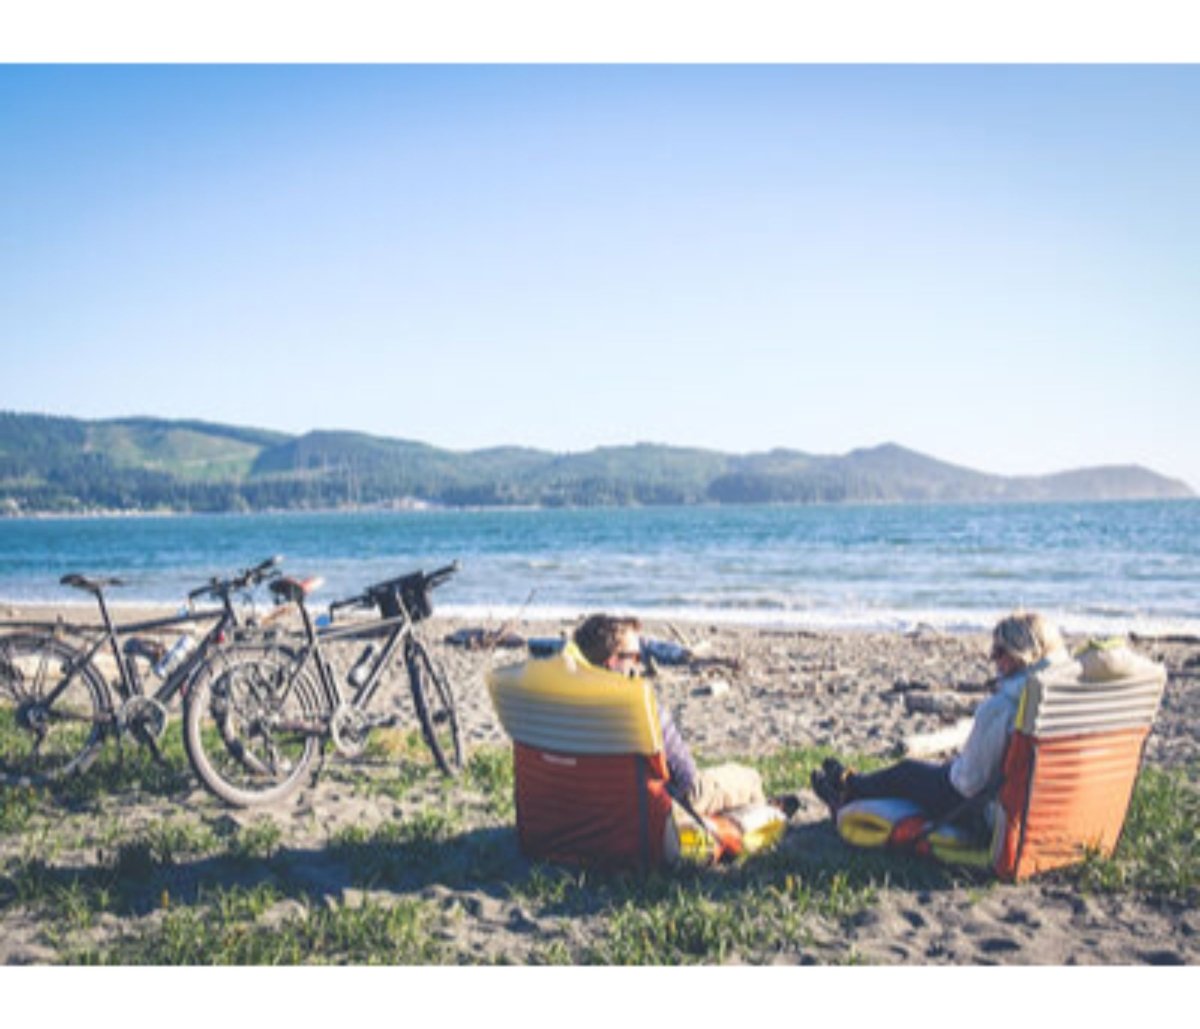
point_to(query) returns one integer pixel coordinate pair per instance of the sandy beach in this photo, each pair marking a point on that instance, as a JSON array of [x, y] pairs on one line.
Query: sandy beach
[[755, 692]]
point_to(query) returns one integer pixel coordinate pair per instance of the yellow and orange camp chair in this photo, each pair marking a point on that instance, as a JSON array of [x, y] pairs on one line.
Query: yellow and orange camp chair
[[1068, 774], [591, 776]]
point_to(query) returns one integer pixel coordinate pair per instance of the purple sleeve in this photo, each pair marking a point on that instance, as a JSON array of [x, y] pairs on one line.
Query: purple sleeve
[[679, 759]]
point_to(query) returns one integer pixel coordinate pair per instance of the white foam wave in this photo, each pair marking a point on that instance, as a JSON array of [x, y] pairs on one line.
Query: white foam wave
[[946, 620]]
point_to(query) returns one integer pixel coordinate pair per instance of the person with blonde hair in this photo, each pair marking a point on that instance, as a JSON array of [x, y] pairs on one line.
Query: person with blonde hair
[[1020, 642]]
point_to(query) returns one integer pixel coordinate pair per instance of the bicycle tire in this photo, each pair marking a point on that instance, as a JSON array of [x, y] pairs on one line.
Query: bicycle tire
[[436, 711], [233, 732], [40, 745]]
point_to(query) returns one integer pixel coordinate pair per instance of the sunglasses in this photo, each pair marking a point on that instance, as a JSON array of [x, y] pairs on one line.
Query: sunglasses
[[629, 655]]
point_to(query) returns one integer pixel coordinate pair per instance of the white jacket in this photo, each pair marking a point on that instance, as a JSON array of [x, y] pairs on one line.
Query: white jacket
[[979, 763]]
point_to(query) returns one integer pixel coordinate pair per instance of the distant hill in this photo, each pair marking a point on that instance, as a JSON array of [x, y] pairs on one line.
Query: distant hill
[[65, 464]]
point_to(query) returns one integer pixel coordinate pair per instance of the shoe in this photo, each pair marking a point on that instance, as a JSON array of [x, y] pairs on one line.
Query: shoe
[[835, 770], [788, 803], [826, 789], [830, 783]]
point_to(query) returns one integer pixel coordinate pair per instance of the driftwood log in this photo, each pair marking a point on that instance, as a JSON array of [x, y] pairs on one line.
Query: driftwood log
[[944, 705], [941, 741]]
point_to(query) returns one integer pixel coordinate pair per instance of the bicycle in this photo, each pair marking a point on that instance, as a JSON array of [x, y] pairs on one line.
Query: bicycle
[[57, 708], [253, 729]]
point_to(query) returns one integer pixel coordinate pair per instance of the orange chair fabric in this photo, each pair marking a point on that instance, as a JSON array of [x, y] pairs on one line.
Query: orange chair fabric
[[1074, 757], [597, 810], [590, 778], [1063, 797]]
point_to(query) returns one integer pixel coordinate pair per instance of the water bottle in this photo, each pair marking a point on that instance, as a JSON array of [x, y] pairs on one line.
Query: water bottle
[[174, 657], [362, 667]]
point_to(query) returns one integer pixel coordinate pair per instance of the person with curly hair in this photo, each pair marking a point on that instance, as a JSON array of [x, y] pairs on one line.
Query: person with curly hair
[[1020, 642]]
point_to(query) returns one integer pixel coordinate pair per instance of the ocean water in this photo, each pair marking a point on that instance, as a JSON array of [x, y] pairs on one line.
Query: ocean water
[[1094, 567]]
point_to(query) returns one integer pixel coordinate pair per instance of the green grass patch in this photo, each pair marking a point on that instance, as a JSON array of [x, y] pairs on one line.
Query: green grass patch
[[788, 771], [18, 805], [129, 769], [163, 843], [1159, 850], [255, 842], [391, 853], [270, 904], [395, 760], [490, 770], [229, 929], [752, 915]]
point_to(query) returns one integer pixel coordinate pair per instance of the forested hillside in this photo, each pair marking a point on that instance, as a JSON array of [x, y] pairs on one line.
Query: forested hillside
[[54, 464]]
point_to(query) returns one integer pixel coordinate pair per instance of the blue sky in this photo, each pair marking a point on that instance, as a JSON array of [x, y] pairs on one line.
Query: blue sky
[[995, 265]]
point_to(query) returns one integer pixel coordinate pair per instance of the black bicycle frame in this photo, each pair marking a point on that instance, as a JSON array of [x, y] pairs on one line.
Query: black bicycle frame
[[127, 685], [401, 630]]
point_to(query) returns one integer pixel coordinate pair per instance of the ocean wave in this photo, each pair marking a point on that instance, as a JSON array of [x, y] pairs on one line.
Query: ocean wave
[[1122, 568], [951, 621]]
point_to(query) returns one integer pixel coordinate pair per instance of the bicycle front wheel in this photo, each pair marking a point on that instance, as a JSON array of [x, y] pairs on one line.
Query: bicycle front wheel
[[54, 709], [252, 725], [434, 701]]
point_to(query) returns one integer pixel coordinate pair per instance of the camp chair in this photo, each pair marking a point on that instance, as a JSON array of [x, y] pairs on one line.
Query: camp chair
[[591, 776], [588, 764], [1068, 771]]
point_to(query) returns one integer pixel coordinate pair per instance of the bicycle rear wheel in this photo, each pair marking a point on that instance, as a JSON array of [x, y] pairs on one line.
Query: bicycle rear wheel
[[54, 709], [434, 701], [252, 725]]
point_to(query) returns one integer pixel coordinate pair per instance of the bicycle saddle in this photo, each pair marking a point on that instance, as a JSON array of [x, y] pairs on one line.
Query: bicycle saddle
[[289, 590], [82, 582]]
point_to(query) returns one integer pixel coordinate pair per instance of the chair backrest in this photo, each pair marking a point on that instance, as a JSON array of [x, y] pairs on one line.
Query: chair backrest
[[1073, 759], [590, 776]]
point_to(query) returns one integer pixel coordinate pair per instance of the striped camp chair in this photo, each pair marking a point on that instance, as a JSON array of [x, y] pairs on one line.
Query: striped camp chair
[[1073, 759], [588, 763], [1068, 773]]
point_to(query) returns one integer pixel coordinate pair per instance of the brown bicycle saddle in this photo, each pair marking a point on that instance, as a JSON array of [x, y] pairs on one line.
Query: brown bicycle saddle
[[92, 585], [289, 590]]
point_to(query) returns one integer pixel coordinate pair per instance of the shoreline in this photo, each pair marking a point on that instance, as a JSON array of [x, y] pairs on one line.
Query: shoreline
[[947, 622]]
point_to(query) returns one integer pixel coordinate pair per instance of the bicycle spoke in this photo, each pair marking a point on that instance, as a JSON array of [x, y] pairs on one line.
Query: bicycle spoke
[[238, 725], [53, 710]]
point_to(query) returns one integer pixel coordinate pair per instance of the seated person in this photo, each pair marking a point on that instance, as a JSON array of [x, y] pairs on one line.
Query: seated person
[[943, 791], [615, 644]]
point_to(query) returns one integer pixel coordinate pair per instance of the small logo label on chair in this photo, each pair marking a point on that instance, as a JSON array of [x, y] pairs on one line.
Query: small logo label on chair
[[554, 759]]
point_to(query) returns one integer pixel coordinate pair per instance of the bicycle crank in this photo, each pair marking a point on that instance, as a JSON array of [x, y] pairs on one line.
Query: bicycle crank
[[144, 715], [350, 726]]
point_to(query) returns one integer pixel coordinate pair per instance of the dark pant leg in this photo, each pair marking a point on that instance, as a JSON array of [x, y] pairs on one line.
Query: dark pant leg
[[919, 781]]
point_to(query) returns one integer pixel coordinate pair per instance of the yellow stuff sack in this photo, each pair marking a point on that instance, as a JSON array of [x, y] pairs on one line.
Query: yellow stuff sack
[[740, 831]]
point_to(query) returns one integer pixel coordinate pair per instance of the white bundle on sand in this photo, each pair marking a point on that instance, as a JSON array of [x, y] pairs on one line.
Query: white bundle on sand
[[941, 741]]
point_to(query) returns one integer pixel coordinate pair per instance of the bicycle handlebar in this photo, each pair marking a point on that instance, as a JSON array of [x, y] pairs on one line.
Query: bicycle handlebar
[[371, 595], [439, 575], [247, 577], [359, 601]]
